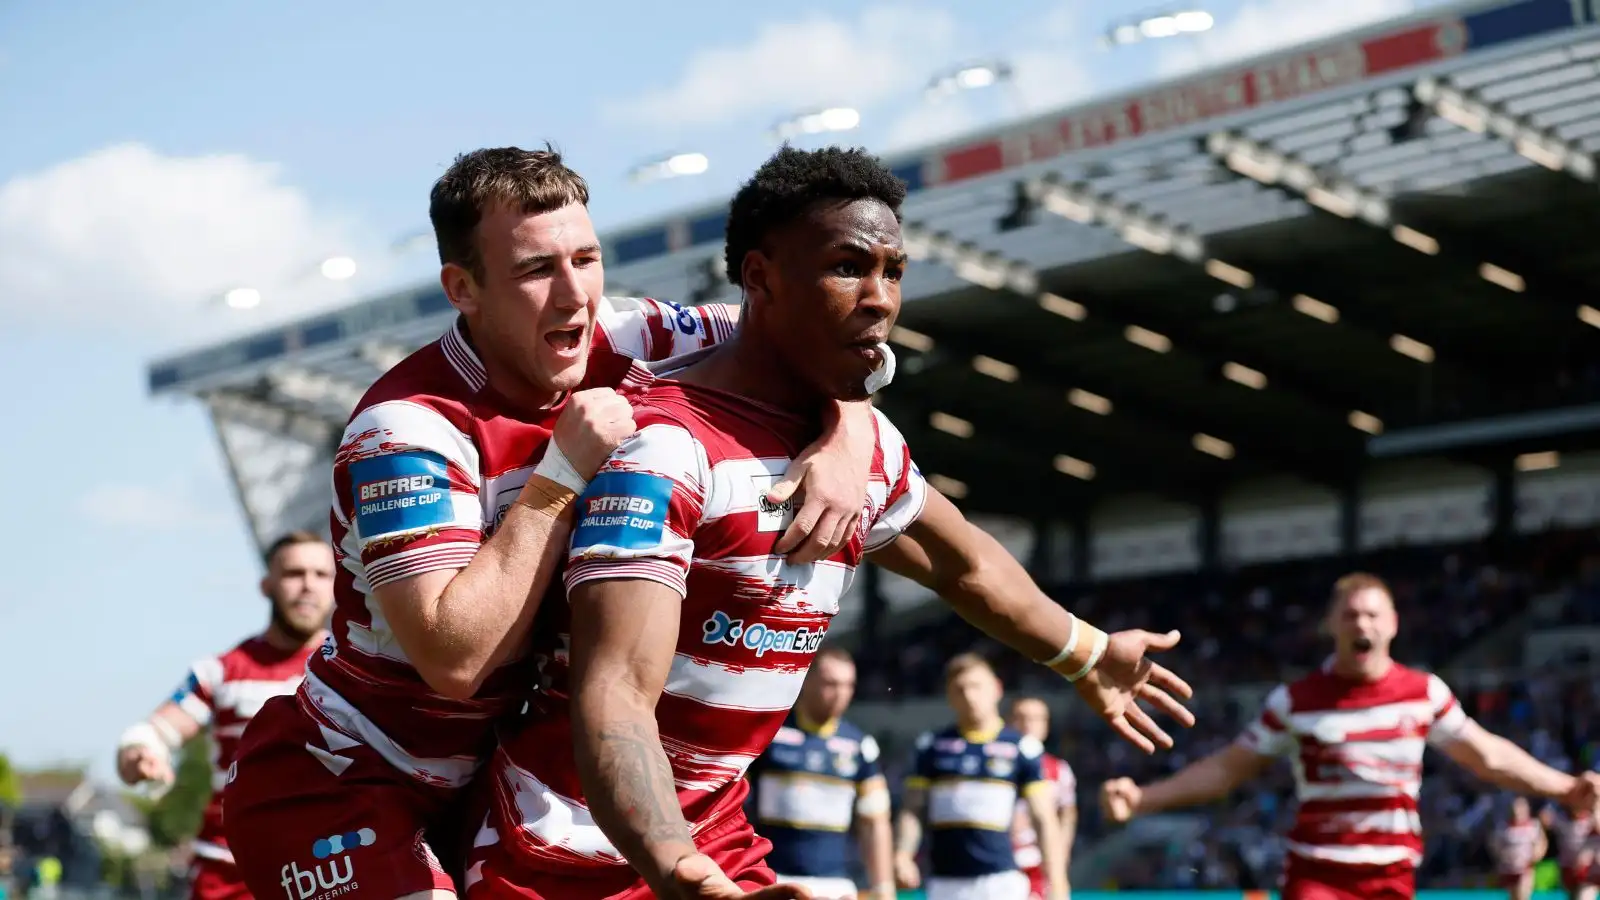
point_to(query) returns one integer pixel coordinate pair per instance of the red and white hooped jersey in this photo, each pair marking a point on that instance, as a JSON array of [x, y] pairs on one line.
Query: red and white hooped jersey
[[430, 461], [223, 693], [1024, 840], [1515, 845], [682, 503], [1356, 749], [1573, 834]]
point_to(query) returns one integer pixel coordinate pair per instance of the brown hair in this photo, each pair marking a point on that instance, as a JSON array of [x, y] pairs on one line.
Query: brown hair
[[530, 181], [839, 653], [962, 663], [1354, 583], [292, 539]]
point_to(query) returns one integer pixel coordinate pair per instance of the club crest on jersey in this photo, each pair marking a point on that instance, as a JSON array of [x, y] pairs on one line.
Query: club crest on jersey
[[1000, 767], [770, 517], [724, 629]]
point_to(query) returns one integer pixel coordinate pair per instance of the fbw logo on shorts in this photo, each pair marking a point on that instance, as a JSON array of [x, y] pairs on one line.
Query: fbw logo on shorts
[[326, 880], [723, 629]]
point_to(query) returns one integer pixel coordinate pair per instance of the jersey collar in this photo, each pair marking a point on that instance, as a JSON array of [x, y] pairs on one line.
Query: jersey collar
[[821, 729], [463, 359], [983, 736]]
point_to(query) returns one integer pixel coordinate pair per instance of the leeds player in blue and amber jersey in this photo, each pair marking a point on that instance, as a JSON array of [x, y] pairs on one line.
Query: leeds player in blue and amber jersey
[[820, 774], [965, 783]]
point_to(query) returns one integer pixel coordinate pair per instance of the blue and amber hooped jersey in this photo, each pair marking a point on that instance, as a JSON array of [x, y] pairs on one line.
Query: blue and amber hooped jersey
[[805, 788], [972, 782]]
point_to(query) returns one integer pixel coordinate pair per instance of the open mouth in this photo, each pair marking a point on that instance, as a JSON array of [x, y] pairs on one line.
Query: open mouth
[[565, 340]]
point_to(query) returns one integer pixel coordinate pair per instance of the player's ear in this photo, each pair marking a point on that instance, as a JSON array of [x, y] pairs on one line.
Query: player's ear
[[459, 287], [262, 585], [756, 273]]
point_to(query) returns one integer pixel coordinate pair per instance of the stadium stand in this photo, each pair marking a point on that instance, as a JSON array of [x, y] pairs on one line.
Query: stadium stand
[[1193, 352]]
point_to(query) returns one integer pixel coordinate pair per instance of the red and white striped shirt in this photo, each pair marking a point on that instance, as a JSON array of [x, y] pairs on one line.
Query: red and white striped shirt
[[1356, 748], [1515, 845], [223, 693], [682, 503], [1024, 839], [430, 461], [1573, 834]]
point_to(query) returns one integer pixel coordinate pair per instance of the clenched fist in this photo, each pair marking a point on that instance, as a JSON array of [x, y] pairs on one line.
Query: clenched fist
[[1119, 798], [137, 764], [594, 422]]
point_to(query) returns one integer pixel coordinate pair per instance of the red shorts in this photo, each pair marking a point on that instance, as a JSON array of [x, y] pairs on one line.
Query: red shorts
[[1574, 878], [213, 879], [299, 830], [1305, 879], [494, 873]]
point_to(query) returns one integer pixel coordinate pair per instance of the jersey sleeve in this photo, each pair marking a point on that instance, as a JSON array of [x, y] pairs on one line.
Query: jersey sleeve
[[921, 774], [1066, 785], [197, 695], [638, 516], [905, 492], [651, 330], [1449, 719], [1269, 734], [870, 767], [406, 489], [1030, 775]]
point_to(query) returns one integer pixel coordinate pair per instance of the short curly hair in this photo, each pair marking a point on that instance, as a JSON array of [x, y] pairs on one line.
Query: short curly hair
[[791, 182]]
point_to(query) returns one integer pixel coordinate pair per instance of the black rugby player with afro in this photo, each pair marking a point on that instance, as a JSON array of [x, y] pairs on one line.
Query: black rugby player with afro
[[814, 243]]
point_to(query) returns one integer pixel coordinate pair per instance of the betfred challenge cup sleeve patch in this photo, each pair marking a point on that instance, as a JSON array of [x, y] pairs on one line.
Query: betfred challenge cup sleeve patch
[[624, 511], [400, 492]]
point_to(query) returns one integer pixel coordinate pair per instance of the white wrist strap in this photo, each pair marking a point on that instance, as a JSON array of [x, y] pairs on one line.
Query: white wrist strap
[[556, 467], [1099, 650], [1066, 651], [157, 735]]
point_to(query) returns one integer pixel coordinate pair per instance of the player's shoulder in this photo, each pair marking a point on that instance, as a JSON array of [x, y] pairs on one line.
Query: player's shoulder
[[1028, 747]]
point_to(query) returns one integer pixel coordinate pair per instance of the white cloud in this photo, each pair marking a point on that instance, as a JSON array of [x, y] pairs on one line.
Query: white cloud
[[131, 241], [801, 63], [1265, 25], [1048, 72], [169, 506]]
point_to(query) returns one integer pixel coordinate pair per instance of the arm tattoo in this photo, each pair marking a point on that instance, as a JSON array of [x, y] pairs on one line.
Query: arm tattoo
[[631, 760]]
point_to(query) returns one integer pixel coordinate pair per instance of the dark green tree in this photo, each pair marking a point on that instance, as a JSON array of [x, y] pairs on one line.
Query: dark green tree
[[10, 783], [176, 816]]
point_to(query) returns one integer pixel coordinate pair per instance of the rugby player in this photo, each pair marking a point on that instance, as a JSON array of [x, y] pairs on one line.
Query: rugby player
[[689, 636], [1031, 717], [820, 774], [450, 518], [223, 692], [1355, 731], [1517, 846], [1576, 842], [967, 782]]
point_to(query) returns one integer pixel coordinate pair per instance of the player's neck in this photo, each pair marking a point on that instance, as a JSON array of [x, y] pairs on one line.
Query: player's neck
[[1355, 669], [746, 367], [276, 636], [506, 381], [980, 726]]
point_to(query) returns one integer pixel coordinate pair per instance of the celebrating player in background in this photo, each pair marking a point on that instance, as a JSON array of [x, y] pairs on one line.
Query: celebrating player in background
[[1575, 852], [1355, 731], [820, 773], [1031, 717], [967, 782], [450, 518], [223, 692], [1517, 847], [690, 635]]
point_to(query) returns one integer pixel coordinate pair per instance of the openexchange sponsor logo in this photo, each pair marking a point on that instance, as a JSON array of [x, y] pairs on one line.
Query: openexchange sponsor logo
[[723, 629], [329, 879]]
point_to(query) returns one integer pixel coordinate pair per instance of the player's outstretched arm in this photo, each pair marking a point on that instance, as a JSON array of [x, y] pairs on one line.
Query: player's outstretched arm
[[1503, 764], [1201, 782], [457, 624], [944, 552]]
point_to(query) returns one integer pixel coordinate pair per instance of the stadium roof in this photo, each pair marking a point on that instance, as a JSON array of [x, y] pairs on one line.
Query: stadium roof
[[1288, 265]]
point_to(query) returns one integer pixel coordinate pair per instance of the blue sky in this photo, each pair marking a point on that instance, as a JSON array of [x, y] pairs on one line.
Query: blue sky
[[156, 154]]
